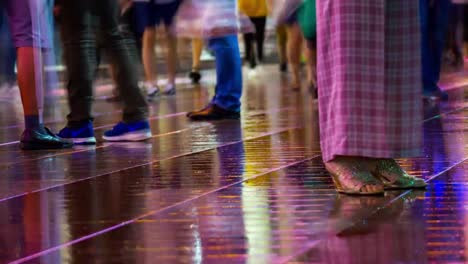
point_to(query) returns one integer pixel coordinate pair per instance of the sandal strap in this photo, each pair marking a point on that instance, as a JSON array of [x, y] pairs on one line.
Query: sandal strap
[[391, 172], [352, 176]]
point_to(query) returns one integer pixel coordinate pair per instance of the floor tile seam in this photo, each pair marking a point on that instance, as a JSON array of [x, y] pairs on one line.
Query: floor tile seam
[[56, 121], [104, 126], [159, 117], [107, 144], [268, 134], [152, 213], [98, 114], [227, 186], [286, 259], [101, 146], [183, 113], [465, 106], [462, 86], [369, 215], [448, 169]]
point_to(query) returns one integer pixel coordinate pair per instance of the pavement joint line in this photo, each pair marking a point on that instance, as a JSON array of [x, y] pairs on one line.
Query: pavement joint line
[[107, 144], [188, 201], [181, 130], [146, 164], [159, 117], [154, 212], [286, 259]]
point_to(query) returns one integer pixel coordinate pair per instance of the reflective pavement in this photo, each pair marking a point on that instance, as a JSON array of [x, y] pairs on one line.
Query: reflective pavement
[[250, 191]]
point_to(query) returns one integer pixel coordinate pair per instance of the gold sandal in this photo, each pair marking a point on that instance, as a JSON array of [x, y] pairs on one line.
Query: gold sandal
[[389, 172], [351, 176]]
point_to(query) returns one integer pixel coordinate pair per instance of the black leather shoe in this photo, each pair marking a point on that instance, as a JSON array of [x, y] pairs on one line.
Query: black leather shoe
[[195, 76], [253, 63], [283, 67], [213, 112], [42, 138]]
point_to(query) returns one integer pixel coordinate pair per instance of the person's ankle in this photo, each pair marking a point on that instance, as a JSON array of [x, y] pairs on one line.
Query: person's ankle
[[32, 121]]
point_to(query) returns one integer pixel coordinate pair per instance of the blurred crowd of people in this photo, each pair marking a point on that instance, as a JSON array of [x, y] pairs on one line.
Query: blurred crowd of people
[[125, 32]]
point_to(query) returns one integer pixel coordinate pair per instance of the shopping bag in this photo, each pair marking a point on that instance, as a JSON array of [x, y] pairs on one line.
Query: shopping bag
[[210, 18], [307, 19]]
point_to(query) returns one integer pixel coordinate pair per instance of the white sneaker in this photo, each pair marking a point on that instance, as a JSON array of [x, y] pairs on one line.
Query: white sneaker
[[169, 89], [152, 90]]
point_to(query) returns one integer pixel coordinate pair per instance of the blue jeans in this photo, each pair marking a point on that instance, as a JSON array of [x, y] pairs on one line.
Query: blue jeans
[[228, 91], [434, 22]]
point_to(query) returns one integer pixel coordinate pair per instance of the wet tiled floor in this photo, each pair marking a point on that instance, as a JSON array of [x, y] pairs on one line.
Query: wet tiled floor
[[250, 191]]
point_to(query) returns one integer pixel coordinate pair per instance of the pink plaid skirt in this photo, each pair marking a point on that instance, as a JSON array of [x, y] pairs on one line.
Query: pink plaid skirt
[[369, 78]]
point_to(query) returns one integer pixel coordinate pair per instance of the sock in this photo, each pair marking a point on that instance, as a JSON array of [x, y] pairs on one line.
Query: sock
[[31, 121]]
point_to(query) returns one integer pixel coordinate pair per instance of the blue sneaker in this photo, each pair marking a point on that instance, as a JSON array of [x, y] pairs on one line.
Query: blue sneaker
[[83, 135], [135, 131]]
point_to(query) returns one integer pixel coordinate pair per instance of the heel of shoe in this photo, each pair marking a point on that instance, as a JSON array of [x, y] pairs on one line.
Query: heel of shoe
[[131, 136], [42, 146], [357, 184], [84, 141]]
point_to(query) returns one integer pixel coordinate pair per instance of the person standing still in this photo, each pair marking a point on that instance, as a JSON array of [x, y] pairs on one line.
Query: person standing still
[[29, 23], [370, 105]]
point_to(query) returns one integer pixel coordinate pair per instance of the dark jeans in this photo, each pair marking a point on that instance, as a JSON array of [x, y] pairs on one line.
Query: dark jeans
[[258, 37], [434, 22], [7, 53], [83, 22], [455, 32]]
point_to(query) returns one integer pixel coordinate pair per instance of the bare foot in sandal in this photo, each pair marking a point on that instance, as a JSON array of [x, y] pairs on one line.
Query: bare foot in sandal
[[352, 176], [389, 172]]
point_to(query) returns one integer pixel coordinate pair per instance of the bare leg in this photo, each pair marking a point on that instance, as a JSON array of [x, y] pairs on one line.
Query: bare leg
[[311, 54], [294, 49], [149, 55], [281, 43], [197, 47], [31, 84], [31, 92], [171, 56], [282, 40]]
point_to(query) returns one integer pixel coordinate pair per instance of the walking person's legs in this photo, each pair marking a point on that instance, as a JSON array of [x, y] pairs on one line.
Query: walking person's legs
[[311, 54], [80, 21], [281, 44], [294, 51], [249, 50], [260, 24]]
